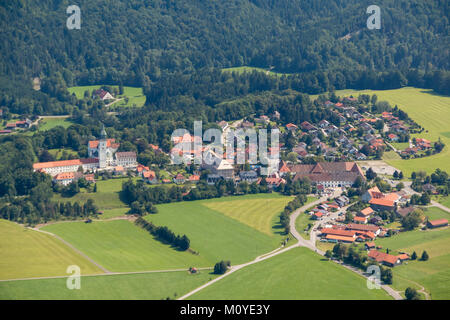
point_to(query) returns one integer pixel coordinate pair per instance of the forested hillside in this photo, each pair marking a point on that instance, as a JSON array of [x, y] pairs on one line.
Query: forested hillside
[[130, 39], [325, 44]]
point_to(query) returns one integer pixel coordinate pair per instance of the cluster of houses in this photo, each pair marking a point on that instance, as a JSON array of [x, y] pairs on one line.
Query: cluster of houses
[[418, 145], [12, 126]]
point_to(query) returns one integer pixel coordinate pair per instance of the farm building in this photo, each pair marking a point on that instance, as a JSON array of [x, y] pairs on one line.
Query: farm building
[[437, 223]]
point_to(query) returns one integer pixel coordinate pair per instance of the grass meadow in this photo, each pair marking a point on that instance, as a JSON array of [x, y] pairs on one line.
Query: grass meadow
[[152, 286], [50, 123], [121, 246], [220, 229], [294, 275], [135, 95], [27, 253]]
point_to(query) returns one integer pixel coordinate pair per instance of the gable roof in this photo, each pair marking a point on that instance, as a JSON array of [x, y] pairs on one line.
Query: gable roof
[[63, 163]]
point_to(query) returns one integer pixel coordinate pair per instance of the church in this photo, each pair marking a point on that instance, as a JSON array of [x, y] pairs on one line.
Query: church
[[103, 156]]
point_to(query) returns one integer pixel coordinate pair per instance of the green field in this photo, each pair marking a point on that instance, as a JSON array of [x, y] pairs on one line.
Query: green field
[[433, 274], [27, 253], [135, 95], [296, 274], [57, 153], [120, 246], [443, 200], [216, 235], [430, 110], [153, 286], [107, 197], [434, 213], [400, 145], [50, 123], [303, 220]]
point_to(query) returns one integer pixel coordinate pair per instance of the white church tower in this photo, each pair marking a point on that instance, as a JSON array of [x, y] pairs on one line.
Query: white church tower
[[102, 149]]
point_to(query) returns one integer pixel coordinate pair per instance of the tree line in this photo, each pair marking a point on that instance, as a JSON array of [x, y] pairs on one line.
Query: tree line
[[164, 234]]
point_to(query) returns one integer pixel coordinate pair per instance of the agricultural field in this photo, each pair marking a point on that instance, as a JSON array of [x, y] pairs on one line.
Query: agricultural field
[[219, 229], [434, 274], [430, 110], [153, 286], [121, 246], [294, 275], [27, 253], [135, 95], [50, 123]]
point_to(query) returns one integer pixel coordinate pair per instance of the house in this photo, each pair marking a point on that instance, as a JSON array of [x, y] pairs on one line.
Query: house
[[323, 123], [291, 127], [223, 125], [262, 119], [371, 193], [404, 211], [364, 228], [358, 219], [342, 201], [365, 212], [194, 178], [5, 131], [384, 258], [248, 176], [149, 175], [328, 174], [370, 245], [393, 137], [276, 115], [437, 223], [428, 187], [102, 95], [274, 182], [305, 125], [403, 257], [179, 179], [119, 170], [385, 203], [211, 179]]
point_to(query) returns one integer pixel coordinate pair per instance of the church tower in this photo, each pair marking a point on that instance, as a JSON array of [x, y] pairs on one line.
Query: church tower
[[102, 148]]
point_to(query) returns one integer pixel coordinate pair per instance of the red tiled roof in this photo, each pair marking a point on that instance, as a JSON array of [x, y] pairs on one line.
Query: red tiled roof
[[367, 211], [338, 232], [342, 238], [110, 143], [360, 219], [363, 227], [64, 163], [438, 222], [382, 257]]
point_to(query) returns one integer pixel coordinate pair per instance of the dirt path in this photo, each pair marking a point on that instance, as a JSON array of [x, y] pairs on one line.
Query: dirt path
[[74, 249]]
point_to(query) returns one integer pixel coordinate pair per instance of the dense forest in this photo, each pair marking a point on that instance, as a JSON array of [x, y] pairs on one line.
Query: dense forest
[[325, 43]]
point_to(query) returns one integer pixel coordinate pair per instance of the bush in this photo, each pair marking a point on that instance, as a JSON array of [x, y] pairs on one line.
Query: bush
[[411, 294]]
